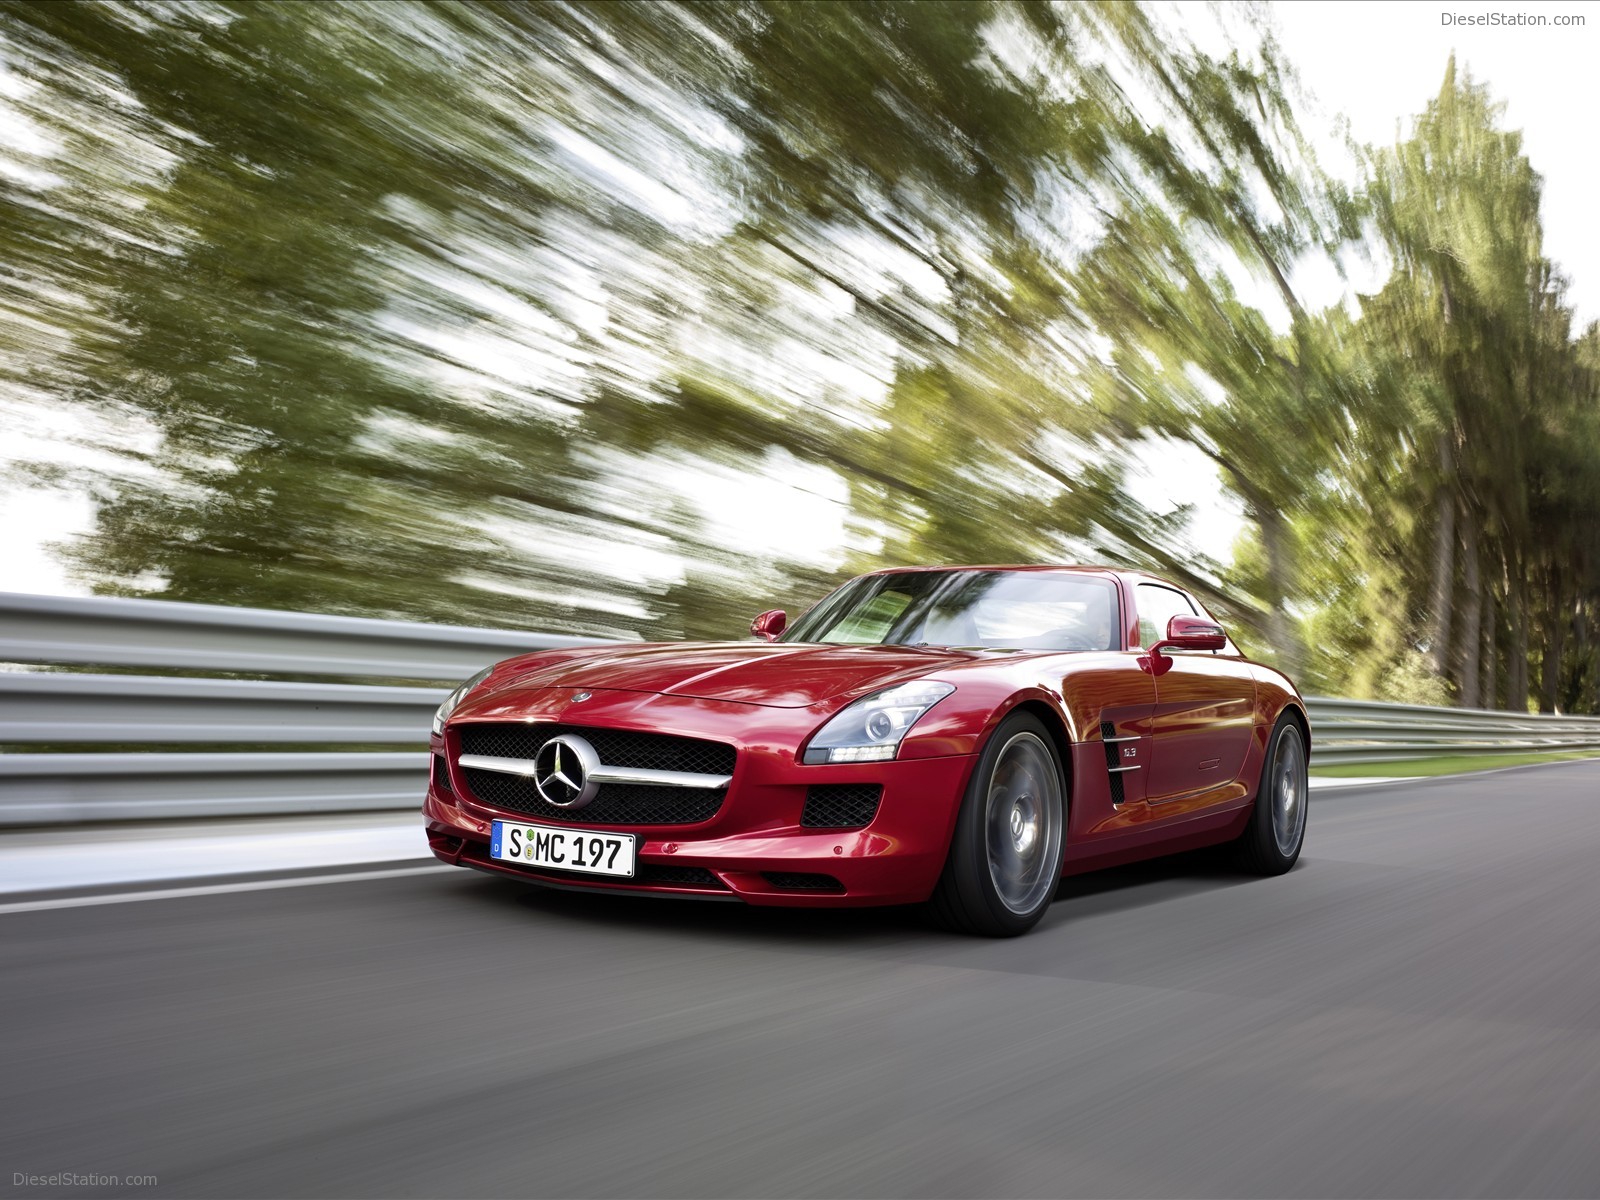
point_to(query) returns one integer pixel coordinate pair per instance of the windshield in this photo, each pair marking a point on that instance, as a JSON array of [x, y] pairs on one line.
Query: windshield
[[1018, 610]]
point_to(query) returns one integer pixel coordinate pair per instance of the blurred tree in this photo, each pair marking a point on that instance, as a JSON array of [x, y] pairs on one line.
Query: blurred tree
[[909, 159], [294, 468], [344, 304], [462, 311], [1476, 335], [1190, 359]]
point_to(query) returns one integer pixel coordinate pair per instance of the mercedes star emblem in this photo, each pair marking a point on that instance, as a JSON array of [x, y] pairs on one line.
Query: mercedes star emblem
[[564, 769]]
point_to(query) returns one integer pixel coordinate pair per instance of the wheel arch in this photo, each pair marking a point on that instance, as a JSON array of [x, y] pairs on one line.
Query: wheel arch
[[1057, 728], [1295, 712], [967, 896], [1298, 713]]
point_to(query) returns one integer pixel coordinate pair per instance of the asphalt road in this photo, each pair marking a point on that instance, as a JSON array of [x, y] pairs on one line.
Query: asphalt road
[[1413, 1011]]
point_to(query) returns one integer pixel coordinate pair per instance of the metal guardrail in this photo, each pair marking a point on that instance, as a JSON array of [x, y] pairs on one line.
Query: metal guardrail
[[45, 708], [1365, 731], [109, 631], [54, 708], [69, 789]]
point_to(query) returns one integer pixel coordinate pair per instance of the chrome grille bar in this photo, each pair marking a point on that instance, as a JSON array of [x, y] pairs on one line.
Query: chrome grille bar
[[602, 774]]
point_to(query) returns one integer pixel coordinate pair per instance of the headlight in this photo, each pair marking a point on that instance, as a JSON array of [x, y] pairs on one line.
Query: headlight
[[456, 697], [871, 729]]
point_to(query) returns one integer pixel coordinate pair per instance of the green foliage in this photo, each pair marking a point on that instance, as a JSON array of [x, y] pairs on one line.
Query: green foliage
[[1410, 680], [449, 311], [420, 304], [1454, 497], [1461, 764]]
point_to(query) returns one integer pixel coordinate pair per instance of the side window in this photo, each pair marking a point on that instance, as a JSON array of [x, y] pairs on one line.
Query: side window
[[1157, 606]]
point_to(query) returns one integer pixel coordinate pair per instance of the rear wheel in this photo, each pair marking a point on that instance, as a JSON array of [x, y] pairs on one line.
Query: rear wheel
[[1271, 842], [1005, 855]]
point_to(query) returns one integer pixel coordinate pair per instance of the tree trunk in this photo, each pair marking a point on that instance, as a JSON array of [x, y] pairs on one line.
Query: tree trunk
[[1517, 668], [1588, 699], [1554, 643], [1439, 602], [1275, 541], [1472, 615], [1486, 696]]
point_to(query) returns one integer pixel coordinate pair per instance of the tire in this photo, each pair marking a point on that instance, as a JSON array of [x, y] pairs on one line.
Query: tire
[[1271, 842], [1004, 863]]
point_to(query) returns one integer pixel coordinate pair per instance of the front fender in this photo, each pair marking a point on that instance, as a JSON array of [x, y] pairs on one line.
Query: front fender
[[962, 722]]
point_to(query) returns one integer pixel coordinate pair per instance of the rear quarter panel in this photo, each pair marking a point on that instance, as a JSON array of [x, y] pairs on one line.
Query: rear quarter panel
[[1275, 694]]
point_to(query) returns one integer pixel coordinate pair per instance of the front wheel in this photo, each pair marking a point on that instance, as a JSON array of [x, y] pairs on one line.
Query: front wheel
[[1005, 855], [1271, 842]]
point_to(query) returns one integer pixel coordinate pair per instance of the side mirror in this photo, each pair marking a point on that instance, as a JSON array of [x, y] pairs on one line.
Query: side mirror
[[1192, 633], [770, 624]]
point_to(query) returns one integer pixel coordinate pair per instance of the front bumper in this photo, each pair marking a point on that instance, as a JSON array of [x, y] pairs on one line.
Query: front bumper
[[754, 848]]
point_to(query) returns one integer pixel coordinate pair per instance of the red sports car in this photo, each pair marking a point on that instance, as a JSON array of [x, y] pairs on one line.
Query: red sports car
[[962, 736]]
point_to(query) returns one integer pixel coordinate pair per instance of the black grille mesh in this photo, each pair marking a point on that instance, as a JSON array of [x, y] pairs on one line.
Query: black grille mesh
[[1107, 732], [441, 773], [840, 805], [689, 876], [616, 747], [614, 803], [800, 881]]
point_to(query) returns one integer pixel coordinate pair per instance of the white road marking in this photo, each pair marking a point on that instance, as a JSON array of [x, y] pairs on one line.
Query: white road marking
[[109, 856], [217, 889], [1319, 782]]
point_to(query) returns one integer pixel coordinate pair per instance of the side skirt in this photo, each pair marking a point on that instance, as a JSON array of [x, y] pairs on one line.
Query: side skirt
[[1209, 830]]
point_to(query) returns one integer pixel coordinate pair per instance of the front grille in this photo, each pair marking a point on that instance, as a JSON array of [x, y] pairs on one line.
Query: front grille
[[616, 747], [840, 805], [800, 881], [441, 773], [613, 804]]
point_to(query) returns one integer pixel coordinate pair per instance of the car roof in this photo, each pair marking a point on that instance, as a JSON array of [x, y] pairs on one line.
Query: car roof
[[1130, 573], [993, 567]]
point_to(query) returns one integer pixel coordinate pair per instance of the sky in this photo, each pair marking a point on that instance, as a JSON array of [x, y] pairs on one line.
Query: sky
[[1369, 66], [1378, 64]]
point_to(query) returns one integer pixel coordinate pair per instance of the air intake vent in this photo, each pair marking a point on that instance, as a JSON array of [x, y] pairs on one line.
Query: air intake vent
[[800, 881], [655, 873], [1108, 735], [444, 843], [841, 805], [441, 773]]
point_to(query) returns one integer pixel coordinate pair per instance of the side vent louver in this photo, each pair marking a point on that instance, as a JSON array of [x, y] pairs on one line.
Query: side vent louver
[[1108, 735]]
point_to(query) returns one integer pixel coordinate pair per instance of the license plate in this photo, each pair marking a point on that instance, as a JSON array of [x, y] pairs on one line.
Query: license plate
[[587, 850]]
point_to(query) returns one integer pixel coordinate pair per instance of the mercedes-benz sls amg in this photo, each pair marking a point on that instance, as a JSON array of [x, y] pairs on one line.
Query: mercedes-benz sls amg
[[956, 736]]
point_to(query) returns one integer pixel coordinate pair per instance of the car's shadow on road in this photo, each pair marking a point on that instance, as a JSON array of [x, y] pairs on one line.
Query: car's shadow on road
[[1088, 897]]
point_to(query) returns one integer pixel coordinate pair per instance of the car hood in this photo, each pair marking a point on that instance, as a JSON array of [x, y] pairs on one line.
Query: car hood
[[780, 675]]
